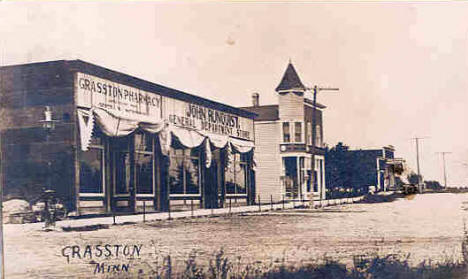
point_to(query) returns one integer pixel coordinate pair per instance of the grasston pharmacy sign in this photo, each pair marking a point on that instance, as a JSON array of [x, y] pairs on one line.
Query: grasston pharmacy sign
[[118, 99]]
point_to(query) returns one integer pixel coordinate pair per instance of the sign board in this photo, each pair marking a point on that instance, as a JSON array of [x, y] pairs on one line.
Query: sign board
[[118, 99], [197, 117]]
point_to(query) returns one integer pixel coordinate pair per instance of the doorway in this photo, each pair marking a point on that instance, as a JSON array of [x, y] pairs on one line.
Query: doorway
[[290, 178]]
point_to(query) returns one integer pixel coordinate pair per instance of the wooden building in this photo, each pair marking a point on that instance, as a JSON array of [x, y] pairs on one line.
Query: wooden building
[[362, 170], [117, 142], [283, 134]]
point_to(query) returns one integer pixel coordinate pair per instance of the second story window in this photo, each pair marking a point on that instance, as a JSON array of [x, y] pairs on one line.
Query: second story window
[[309, 133], [318, 136], [298, 131], [286, 132]]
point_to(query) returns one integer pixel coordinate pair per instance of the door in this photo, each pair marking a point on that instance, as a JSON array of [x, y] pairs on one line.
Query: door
[[122, 175], [290, 179]]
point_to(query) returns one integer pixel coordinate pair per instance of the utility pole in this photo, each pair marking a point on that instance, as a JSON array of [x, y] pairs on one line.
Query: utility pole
[[444, 167], [416, 139], [316, 89]]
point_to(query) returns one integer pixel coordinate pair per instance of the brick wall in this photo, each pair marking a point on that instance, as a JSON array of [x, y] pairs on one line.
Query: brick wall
[[25, 90]]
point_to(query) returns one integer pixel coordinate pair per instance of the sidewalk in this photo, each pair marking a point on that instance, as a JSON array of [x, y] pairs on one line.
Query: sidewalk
[[159, 216]]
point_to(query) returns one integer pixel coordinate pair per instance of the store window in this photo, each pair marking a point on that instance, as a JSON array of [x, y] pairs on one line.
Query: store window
[[144, 163], [321, 173], [121, 147], [315, 181], [286, 132], [92, 166], [184, 171], [236, 175], [298, 131], [319, 179]]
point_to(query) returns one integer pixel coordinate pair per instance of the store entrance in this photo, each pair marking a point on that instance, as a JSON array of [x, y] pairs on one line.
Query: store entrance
[[290, 178], [122, 175]]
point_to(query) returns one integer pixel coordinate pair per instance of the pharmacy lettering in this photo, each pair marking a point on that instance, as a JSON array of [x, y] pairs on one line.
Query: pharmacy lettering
[[208, 120], [121, 100]]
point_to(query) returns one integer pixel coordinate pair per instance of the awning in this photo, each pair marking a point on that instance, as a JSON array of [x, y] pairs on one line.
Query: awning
[[188, 138], [111, 125], [114, 126], [241, 146]]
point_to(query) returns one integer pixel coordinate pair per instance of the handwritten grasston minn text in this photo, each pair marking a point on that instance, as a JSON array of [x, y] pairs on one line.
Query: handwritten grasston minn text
[[103, 252]]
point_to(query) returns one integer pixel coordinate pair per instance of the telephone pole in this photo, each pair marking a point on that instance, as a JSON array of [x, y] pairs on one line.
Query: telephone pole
[[444, 167], [416, 139], [316, 89]]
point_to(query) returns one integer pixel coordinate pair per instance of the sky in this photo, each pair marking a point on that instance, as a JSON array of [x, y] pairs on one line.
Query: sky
[[402, 67]]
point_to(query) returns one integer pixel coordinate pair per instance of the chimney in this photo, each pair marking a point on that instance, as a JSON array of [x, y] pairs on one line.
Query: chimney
[[255, 99]]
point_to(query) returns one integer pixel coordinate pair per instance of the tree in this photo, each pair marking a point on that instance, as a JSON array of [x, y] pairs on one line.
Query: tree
[[432, 184], [413, 178]]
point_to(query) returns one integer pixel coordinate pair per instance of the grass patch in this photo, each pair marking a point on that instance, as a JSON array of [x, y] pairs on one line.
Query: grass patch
[[364, 267]]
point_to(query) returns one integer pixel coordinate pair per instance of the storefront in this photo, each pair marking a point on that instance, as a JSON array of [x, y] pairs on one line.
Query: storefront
[[141, 146], [284, 143]]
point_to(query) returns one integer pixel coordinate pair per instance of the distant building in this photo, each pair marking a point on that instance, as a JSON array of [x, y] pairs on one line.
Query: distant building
[[283, 136], [361, 169]]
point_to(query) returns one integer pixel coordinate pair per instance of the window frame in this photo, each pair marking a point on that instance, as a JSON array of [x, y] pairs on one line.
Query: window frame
[[184, 183], [243, 163], [284, 123], [102, 149], [153, 171], [318, 135], [114, 167], [301, 135], [292, 132]]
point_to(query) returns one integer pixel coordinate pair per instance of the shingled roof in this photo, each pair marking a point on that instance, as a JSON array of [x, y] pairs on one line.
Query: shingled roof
[[290, 80], [264, 113]]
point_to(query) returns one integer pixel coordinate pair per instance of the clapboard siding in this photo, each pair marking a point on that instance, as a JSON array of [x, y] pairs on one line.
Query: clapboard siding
[[267, 137], [291, 107]]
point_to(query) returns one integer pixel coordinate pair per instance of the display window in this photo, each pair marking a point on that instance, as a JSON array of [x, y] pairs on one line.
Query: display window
[[184, 171], [122, 165], [92, 166], [144, 163], [236, 177]]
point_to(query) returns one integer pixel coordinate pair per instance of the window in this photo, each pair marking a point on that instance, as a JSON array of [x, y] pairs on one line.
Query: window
[[184, 171], [315, 182], [309, 133], [298, 131], [308, 167], [121, 165], [286, 132], [144, 163], [319, 179], [302, 174], [92, 166], [318, 136], [321, 174], [236, 175]]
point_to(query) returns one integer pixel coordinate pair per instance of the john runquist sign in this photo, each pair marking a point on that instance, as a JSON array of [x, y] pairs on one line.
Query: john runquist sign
[[121, 100], [194, 116]]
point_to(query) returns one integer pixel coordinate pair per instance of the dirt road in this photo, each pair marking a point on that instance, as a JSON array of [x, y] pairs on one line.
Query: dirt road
[[425, 227]]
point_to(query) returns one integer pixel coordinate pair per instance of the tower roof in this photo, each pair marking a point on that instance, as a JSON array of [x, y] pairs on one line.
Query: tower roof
[[290, 80]]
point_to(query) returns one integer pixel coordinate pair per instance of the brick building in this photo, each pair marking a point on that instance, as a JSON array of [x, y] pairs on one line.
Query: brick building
[[283, 134], [119, 141]]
